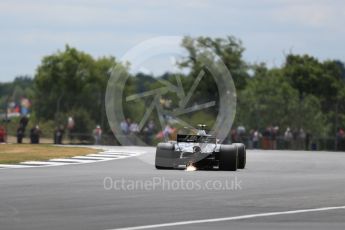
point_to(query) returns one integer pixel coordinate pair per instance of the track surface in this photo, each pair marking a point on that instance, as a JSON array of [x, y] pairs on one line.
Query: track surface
[[74, 196]]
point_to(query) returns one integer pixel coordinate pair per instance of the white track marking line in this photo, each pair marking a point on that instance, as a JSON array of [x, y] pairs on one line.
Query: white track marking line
[[4, 166], [230, 218], [122, 157], [116, 151], [41, 163], [103, 155], [70, 160], [120, 154], [91, 158]]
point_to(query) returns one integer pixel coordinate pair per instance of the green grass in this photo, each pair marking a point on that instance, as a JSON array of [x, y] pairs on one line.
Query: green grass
[[16, 153]]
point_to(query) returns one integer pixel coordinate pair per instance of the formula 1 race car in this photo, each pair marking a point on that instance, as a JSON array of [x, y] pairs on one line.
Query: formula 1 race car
[[201, 151]]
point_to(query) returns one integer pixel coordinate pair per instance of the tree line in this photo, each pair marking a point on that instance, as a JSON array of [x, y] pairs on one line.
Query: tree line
[[304, 92]]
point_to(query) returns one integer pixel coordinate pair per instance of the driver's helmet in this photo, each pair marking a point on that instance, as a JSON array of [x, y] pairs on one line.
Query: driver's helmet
[[201, 132]]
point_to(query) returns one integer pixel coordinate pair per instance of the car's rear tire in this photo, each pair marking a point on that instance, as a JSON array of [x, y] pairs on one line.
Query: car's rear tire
[[165, 156], [242, 155], [228, 158]]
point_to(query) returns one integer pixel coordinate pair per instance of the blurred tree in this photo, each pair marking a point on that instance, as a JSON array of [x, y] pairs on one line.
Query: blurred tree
[[325, 80], [69, 80], [229, 49], [269, 99], [309, 76], [304, 92]]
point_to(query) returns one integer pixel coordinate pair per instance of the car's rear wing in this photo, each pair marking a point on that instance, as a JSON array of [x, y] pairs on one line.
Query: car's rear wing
[[195, 138]]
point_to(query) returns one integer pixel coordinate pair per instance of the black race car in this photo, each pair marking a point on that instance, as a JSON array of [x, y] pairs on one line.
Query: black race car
[[201, 151]]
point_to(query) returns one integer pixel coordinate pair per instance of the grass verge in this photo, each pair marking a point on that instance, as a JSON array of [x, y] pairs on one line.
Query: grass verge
[[16, 153]]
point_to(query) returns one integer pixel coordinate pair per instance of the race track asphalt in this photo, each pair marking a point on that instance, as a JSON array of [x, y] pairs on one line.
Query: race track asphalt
[[131, 192]]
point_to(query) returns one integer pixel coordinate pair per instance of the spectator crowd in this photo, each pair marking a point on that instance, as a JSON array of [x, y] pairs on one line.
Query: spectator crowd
[[271, 137]]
